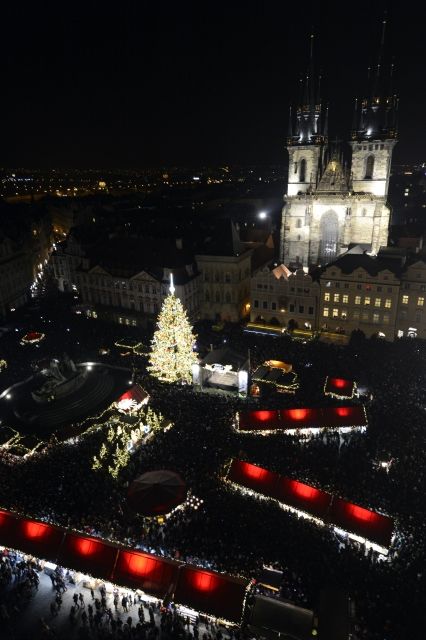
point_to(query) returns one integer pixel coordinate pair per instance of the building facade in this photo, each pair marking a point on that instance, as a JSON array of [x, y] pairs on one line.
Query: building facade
[[282, 298], [411, 319], [225, 286], [330, 203], [359, 292]]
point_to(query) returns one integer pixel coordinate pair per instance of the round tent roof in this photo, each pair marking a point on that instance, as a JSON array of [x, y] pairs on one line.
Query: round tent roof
[[156, 492]]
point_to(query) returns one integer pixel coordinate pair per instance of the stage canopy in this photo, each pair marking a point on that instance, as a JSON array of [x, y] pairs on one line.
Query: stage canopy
[[303, 420], [372, 527], [274, 618], [156, 492], [212, 593]]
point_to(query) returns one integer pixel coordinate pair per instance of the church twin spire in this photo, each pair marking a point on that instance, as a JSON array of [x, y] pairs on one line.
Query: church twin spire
[[310, 123], [375, 116]]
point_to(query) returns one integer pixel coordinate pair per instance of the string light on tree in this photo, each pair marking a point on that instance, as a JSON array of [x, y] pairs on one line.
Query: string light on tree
[[172, 354]]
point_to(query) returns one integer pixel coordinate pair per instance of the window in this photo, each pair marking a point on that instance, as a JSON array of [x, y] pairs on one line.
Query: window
[[365, 316], [367, 300], [227, 277], [386, 318], [336, 297], [273, 306], [389, 289], [346, 285], [325, 312], [228, 297], [337, 285], [404, 299], [355, 314], [256, 304], [379, 289], [298, 223], [357, 299], [420, 301], [418, 316], [359, 287], [344, 315], [388, 303], [335, 313], [406, 285], [311, 311], [302, 172], [291, 308], [377, 302], [295, 167], [376, 318], [265, 304], [301, 308], [345, 298]]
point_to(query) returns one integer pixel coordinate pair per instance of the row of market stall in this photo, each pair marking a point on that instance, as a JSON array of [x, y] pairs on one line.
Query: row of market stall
[[369, 527], [214, 594], [303, 420]]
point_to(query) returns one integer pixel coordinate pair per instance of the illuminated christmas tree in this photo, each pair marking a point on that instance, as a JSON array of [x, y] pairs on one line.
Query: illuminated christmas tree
[[172, 354]]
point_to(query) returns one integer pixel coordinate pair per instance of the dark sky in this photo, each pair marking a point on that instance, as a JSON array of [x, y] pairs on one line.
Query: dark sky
[[148, 83]]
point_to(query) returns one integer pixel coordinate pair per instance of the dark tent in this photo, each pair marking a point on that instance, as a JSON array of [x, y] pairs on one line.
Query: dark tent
[[156, 492], [273, 618]]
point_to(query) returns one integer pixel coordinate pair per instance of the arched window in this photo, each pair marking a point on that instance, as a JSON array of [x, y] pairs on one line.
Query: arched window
[[302, 171], [369, 168]]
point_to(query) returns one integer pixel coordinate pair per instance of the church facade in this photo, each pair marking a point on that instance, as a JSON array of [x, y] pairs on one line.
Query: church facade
[[332, 203]]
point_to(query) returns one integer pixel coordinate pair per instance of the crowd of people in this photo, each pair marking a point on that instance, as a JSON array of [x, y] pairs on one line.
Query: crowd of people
[[236, 533]]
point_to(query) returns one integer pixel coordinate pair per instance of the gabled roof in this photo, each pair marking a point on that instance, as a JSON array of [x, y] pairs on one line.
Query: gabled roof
[[349, 262]]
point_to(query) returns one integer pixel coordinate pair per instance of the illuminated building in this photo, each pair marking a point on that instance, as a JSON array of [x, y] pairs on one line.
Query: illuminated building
[[330, 203]]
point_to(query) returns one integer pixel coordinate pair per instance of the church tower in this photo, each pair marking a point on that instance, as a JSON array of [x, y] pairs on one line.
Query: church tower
[[306, 146], [329, 206]]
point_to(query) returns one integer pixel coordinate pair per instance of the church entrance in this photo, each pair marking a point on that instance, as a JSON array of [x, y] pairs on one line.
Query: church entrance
[[329, 237]]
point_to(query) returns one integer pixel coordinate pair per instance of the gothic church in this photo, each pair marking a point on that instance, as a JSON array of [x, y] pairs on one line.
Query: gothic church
[[329, 205]]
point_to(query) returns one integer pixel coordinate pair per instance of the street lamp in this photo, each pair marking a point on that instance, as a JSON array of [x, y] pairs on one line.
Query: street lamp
[[262, 215]]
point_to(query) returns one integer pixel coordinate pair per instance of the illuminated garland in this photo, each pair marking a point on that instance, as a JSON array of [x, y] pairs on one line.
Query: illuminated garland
[[32, 337], [335, 394]]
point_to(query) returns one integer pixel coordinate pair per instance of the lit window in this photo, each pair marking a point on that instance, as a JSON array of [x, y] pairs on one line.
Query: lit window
[[404, 299], [325, 312], [365, 316], [344, 315], [345, 298], [376, 318], [385, 318], [377, 302], [357, 299], [355, 314], [420, 301], [327, 297], [335, 313], [367, 300], [336, 297], [388, 303]]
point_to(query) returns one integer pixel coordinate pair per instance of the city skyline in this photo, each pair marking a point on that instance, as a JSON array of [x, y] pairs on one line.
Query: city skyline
[[144, 86]]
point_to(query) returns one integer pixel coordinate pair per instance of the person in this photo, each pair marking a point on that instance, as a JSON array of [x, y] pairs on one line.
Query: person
[[81, 599]]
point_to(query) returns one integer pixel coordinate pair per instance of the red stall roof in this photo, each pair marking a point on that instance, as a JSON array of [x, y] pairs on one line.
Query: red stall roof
[[339, 387], [8, 529], [373, 526], [212, 593], [89, 555], [253, 477], [303, 418], [138, 570], [304, 497], [39, 539]]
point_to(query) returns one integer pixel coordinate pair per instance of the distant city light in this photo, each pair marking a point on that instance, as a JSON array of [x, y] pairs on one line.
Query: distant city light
[[262, 215]]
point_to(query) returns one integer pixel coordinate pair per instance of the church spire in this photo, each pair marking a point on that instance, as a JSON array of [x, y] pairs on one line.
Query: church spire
[[308, 111], [375, 118]]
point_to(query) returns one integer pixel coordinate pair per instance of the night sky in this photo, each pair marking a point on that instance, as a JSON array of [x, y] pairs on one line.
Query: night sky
[[141, 84]]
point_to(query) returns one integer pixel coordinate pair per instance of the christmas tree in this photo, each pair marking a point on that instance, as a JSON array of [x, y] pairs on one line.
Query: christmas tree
[[172, 354]]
